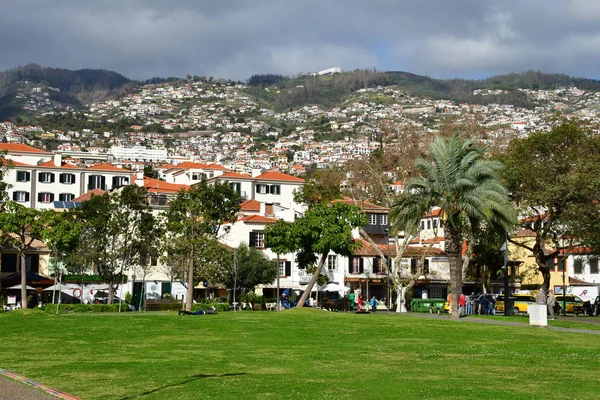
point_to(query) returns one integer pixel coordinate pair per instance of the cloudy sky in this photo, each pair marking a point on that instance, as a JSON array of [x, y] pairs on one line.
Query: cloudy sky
[[236, 38]]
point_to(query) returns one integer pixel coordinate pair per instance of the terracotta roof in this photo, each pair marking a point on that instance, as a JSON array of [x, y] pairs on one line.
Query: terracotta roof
[[258, 219], [107, 167], [434, 213], [233, 174], [367, 250], [21, 148], [365, 205], [250, 205], [579, 282], [523, 233], [158, 186], [36, 244], [63, 165], [278, 176], [8, 161], [88, 195]]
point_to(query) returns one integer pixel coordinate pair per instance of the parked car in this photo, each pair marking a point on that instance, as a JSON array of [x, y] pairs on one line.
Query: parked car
[[521, 303], [573, 304]]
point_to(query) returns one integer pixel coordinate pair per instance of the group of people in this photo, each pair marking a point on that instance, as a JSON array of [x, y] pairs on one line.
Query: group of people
[[482, 304], [356, 302], [547, 299]]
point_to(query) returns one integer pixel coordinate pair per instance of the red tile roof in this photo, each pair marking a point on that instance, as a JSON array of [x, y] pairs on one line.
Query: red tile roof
[[88, 195], [107, 167], [21, 148], [363, 204], [63, 165], [258, 219], [367, 250], [234, 175], [158, 186], [278, 176], [250, 205], [8, 161]]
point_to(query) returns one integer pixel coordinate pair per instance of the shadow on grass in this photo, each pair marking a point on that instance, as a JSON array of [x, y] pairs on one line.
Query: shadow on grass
[[191, 379]]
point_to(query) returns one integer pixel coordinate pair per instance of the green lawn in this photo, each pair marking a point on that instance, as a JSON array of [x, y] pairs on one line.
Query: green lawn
[[296, 354]]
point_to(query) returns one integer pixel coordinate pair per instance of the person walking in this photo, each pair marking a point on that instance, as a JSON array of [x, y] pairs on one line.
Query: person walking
[[462, 304], [359, 301], [373, 303], [540, 297], [550, 304]]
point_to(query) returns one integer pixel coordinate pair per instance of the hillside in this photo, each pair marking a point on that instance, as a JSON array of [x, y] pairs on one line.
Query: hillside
[[332, 90], [31, 88]]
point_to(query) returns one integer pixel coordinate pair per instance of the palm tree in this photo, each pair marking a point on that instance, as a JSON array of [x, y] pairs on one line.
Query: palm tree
[[469, 192]]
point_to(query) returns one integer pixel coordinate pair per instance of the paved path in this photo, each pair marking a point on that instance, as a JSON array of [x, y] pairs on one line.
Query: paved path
[[17, 387], [495, 321]]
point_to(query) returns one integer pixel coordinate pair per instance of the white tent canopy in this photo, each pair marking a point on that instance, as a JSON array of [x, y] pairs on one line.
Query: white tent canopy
[[18, 287], [335, 287]]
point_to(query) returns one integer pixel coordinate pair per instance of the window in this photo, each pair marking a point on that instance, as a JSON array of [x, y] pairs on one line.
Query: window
[[550, 263], [372, 219], [67, 178], [428, 224], [561, 265], [158, 200], [383, 220], [20, 196], [262, 189], [422, 225], [331, 262], [195, 177], [257, 239], [434, 223], [96, 182], [45, 197], [275, 189], [66, 197], [356, 265], [118, 181], [46, 177], [237, 187], [285, 268], [593, 265], [23, 176], [578, 266]]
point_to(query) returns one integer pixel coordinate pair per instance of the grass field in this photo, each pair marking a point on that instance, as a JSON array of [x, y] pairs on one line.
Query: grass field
[[296, 354]]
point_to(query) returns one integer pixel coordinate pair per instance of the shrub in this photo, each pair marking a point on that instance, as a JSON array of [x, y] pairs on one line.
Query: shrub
[[84, 308], [219, 307]]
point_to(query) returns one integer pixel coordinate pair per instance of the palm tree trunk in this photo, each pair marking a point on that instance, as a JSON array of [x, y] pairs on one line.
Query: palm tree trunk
[[453, 239], [312, 282]]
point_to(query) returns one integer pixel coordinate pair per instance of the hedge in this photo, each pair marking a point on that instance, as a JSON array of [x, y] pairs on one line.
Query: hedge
[[83, 308]]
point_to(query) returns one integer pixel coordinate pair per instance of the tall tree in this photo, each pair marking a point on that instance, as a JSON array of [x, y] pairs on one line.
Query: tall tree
[[553, 178], [21, 226], [119, 230], [322, 186], [467, 187], [323, 229], [195, 218]]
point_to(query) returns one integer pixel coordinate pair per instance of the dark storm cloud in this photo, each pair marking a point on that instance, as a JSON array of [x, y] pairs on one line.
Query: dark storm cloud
[[233, 39]]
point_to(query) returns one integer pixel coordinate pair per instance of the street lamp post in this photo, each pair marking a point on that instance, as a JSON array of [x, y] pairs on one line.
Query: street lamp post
[[564, 290], [508, 309]]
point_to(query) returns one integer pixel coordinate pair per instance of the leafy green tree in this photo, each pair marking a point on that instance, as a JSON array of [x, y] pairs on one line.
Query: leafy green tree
[[194, 217], [20, 227], [62, 235], [468, 189], [119, 231], [251, 268], [553, 178], [324, 228], [5, 165]]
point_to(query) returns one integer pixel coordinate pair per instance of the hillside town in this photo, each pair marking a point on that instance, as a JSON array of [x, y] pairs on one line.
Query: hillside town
[[223, 123]]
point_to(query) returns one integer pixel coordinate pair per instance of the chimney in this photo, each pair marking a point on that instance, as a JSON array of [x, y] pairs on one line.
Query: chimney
[[57, 159], [139, 179]]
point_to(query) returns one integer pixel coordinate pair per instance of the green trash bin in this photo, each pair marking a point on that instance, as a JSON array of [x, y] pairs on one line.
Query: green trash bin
[[421, 305], [438, 305]]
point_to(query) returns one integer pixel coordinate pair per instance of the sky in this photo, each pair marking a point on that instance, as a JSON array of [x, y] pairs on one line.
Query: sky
[[234, 39]]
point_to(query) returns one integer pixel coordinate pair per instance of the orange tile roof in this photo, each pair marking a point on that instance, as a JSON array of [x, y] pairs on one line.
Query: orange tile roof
[[19, 147], [158, 186], [107, 167], [233, 174], [367, 250], [364, 204], [250, 205], [258, 219], [8, 161], [88, 195], [63, 165], [434, 213], [278, 176]]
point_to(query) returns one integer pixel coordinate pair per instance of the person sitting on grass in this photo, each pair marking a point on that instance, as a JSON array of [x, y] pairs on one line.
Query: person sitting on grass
[[199, 312]]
